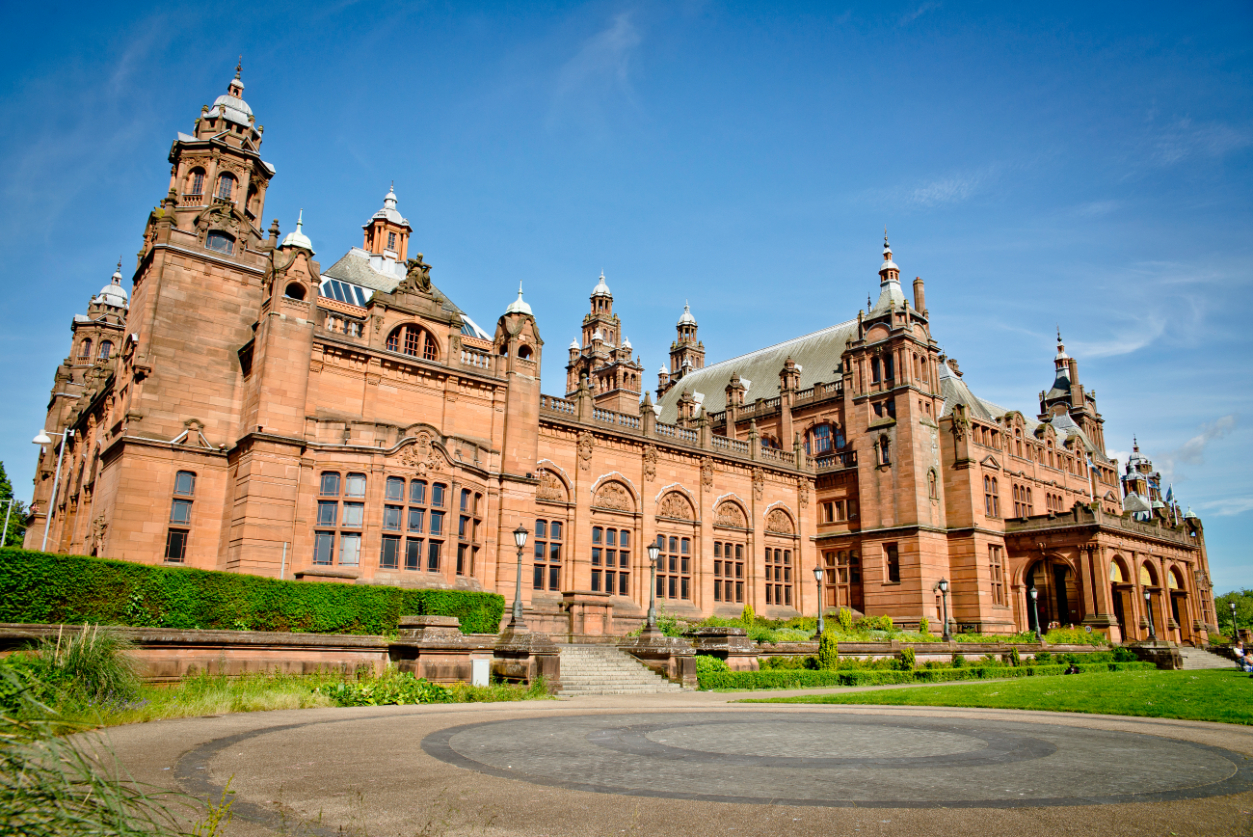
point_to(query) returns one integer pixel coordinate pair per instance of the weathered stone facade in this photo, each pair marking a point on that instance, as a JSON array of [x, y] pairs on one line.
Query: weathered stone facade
[[264, 415]]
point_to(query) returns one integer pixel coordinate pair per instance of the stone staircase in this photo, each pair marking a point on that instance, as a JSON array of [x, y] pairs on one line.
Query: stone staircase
[[1194, 658], [604, 670]]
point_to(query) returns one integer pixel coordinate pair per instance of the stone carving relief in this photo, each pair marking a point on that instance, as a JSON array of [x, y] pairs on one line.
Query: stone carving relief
[[422, 455], [778, 522], [730, 514], [707, 473], [585, 450], [804, 494], [650, 462], [418, 277], [613, 495], [961, 422], [99, 528], [551, 488], [677, 506], [759, 483]]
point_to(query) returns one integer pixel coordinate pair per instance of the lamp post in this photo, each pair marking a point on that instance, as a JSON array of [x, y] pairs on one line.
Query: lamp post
[[943, 587], [653, 552], [1235, 626], [41, 440], [1035, 612], [1148, 611], [818, 578], [516, 622]]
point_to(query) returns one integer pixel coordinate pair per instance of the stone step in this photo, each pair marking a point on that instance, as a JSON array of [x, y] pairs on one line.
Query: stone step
[[605, 670], [1199, 658]]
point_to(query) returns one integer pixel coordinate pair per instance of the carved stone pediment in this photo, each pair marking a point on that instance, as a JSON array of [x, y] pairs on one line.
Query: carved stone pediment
[[677, 506], [551, 488], [779, 523], [613, 495], [422, 456], [730, 514]]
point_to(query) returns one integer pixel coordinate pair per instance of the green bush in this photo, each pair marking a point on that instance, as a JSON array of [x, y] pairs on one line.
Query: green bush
[[845, 620], [907, 660], [394, 688], [788, 663], [706, 664], [828, 651], [1015, 659], [875, 623], [959, 661], [924, 627], [804, 679], [748, 617], [1124, 655], [74, 589], [1074, 636]]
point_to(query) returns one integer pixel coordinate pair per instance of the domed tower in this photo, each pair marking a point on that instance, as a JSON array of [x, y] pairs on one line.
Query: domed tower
[[387, 233], [687, 353], [605, 357]]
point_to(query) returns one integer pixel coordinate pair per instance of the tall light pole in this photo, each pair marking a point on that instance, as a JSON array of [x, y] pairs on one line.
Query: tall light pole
[[5, 537], [1148, 611], [653, 552], [943, 586], [1035, 612], [818, 578], [1235, 626], [516, 622], [41, 440]]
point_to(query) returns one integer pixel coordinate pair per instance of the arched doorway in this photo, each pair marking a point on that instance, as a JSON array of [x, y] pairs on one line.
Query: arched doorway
[[1120, 592], [1058, 601], [1179, 604]]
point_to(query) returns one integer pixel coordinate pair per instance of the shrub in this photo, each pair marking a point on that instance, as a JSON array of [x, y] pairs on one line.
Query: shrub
[[1124, 655], [1043, 657], [788, 663], [802, 679], [748, 616], [394, 688], [828, 651], [73, 589], [875, 623], [959, 661], [706, 664], [1074, 636], [845, 620], [1015, 659], [924, 627], [907, 659]]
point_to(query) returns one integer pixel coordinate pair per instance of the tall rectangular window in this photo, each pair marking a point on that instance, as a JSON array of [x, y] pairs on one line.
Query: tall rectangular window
[[178, 534], [778, 576], [611, 560], [340, 507], [728, 572], [546, 574], [674, 567], [389, 559], [996, 568], [892, 559], [991, 501]]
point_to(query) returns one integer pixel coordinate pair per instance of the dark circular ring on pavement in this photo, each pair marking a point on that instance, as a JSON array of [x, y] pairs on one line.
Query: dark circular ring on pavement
[[843, 760], [999, 747]]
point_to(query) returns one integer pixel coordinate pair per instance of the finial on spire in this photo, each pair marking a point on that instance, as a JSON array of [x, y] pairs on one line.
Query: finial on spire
[[869, 304], [239, 66], [300, 219]]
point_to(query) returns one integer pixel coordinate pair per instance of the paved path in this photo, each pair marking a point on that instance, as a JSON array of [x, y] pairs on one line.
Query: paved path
[[693, 764]]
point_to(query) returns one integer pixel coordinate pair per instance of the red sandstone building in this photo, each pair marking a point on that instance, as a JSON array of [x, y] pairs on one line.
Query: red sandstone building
[[245, 409]]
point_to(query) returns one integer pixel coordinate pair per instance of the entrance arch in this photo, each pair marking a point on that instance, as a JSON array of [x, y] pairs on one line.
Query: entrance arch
[[1059, 601]]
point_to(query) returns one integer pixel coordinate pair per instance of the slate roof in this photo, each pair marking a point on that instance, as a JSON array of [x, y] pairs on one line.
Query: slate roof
[[816, 355]]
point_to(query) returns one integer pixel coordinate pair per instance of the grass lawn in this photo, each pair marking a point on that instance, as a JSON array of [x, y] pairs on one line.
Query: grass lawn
[[1224, 695]]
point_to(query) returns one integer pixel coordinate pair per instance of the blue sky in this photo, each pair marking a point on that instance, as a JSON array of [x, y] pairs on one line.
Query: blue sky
[[1086, 165]]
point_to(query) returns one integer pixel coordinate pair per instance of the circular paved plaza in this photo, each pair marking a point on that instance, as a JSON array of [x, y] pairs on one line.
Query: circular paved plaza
[[696, 765]]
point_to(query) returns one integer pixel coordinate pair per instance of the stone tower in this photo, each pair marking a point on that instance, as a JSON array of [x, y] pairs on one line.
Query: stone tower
[[604, 358]]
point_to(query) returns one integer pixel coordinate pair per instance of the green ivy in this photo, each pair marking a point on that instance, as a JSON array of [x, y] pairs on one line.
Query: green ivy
[[44, 588]]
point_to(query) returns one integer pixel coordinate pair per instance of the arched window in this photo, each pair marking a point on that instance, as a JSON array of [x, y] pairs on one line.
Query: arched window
[[414, 341], [524, 352], [220, 242], [106, 350], [195, 183], [226, 186], [84, 349], [874, 370], [819, 440], [295, 291], [254, 201]]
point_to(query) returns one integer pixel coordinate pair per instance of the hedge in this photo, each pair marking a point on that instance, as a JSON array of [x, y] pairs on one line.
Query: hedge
[[807, 678], [74, 589]]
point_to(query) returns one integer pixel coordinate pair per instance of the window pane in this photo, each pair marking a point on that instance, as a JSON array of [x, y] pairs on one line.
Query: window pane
[[413, 554], [465, 499], [395, 489], [462, 526], [354, 514], [598, 534], [541, 529], [437, 494], [540, 550], [595, 556], [611, 581], [175, 545], [685, 591], [330, 485], [180, 511], [624, 558], [355, 486], [554, 579], [184, 482], [611, 537], [324, 548], [390, 554], [437, 523], [717, 552], [686, 546], [624, 538], [595, 581], [327, 513], [415, 520], [622, 584], [432, 556], [417, 492], [611, 557], [349, 550], [537, 578], [391, 518], [555, 530], [554, 552]]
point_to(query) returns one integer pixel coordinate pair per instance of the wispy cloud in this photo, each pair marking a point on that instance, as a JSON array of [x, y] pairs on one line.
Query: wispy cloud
[[952, 188], [1184, 139], [599, 70], [1140, 332], [1228, 506], [1192, 452], [910, 17], [1096, 209]]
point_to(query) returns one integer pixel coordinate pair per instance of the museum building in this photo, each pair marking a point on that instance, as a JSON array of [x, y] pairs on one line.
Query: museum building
[[241, 408]]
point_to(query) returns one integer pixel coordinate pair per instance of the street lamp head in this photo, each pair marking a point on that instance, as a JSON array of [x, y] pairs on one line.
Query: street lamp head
[[943, 585], [1035, 594], [42, 439], [519, 535], [818, 575], [1147, 595], [653, 551]]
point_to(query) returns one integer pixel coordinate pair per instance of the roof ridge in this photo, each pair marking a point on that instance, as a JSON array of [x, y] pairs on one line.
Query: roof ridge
[[777, 345]]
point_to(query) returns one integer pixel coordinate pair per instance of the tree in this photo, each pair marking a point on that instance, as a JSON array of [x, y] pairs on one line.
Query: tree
[[17, 517], [828, 651], [1244, 609]]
